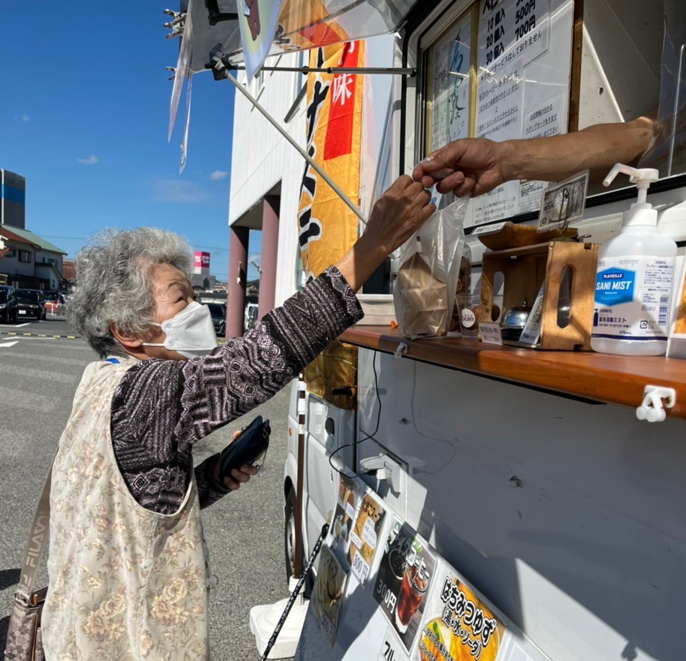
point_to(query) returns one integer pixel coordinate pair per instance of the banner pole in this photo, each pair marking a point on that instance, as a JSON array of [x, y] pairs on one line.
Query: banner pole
[[298, 148]]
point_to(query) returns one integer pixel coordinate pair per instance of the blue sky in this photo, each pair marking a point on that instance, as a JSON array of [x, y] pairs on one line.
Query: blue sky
[[84, 117]]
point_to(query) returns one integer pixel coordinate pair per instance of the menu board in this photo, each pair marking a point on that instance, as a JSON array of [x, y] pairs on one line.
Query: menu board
[[328, 592], [350, 493], [364, 536], [457, 626], [450, 81], [403, 580]]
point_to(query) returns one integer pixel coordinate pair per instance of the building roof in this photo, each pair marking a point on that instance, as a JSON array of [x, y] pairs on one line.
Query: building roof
[[32, 238], [12, 235]]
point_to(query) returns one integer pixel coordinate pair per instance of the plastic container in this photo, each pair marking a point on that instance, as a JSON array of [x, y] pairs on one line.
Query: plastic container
[[634, 279]]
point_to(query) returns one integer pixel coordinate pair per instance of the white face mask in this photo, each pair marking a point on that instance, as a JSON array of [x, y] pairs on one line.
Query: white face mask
[[190, 332]]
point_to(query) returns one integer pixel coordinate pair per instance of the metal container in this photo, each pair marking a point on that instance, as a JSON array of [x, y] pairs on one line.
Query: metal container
[[513, 322]]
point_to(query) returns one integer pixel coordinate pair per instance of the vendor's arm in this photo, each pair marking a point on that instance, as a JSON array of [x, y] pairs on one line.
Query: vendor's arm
[[477, 165], [173, 404]]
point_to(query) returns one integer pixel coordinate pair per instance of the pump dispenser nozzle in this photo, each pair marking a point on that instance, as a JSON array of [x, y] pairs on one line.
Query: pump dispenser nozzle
[[642, 178], [640, 213]]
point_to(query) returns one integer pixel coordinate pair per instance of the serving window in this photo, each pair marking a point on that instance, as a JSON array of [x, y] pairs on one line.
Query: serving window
[[512, 69]]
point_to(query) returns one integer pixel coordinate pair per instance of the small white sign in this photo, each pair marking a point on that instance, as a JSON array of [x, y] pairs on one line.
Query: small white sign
[[490, 334], [391, 650], [359, 567], [369, 534], [489, 229], [350, 510], [355, 539]]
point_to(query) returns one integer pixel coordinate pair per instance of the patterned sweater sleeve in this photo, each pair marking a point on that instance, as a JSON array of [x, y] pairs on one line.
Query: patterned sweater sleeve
[[162, 407]]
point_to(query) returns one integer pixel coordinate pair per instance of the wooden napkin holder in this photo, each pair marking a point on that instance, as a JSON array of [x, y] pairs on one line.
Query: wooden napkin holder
[[526, 269]]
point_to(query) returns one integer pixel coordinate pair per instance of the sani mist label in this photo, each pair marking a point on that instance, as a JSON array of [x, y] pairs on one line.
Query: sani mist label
[[632, 298]]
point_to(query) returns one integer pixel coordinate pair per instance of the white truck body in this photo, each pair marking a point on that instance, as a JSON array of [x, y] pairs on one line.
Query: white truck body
[[567, 514]]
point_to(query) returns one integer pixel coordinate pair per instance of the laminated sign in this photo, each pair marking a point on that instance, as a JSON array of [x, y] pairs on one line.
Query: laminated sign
[[457, 626], [403, 581], [328, 592], [364, 536], [348, 501]]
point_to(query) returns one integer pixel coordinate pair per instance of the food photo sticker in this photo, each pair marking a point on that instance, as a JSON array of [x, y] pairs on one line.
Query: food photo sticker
[[403, 580], [328, 592], [364, 536], [457, 626], [349, 497]]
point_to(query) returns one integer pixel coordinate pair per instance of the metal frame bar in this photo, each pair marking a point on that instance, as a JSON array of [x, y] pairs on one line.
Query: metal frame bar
[[315, 166], [412, 72]]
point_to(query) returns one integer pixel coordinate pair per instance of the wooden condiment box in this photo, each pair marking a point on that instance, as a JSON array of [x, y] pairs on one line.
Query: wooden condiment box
[[526, 269]]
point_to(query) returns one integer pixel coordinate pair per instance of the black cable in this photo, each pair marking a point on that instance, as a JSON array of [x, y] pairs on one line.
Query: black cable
[[368, 436]]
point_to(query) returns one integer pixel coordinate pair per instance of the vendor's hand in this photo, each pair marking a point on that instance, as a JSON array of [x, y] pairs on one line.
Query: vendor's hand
[[469, 166]]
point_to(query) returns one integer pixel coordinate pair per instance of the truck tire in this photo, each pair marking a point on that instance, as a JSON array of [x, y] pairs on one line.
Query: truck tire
[[289, 533], [289, 545]]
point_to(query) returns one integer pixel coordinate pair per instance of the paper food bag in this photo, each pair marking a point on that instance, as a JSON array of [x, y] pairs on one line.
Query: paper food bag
[[424, 293]]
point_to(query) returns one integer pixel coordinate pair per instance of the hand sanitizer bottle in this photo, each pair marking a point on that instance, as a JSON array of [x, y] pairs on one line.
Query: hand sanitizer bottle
[[634, 279]]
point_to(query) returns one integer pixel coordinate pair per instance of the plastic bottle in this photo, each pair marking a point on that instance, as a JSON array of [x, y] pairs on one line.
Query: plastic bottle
[[634, 279]]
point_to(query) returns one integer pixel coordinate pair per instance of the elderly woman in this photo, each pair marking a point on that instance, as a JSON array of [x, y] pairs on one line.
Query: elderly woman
[[127, 567]]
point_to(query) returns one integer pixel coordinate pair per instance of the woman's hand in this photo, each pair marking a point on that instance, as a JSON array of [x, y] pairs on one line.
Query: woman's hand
[[238, 475], [396, 216]]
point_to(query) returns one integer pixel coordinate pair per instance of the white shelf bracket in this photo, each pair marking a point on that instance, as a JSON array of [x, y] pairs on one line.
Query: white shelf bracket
[[400, 350], [651, 409]]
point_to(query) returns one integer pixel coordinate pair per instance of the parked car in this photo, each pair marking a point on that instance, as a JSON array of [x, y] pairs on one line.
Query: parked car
[[250, 316], [30, 303], [218, 312], [8, 304], [53, 296]]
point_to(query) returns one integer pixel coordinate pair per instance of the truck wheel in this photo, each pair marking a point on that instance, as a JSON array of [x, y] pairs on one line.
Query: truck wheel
[[289, 546], [289, 533]]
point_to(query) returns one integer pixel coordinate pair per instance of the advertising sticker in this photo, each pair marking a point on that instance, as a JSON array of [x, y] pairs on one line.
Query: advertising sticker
[[364, 536], [403, 580], [328, 592], [457, 626]]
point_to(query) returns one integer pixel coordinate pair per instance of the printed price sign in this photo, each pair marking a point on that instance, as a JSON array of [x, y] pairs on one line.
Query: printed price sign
[[490, 334], [563, 203], [365, 532], [359, 567]]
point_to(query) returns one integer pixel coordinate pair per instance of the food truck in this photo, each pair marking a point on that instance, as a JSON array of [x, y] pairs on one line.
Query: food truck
[[485, 500]]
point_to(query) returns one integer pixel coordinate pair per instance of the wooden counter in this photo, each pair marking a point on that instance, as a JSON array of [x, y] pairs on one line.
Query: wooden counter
[[600, 377]]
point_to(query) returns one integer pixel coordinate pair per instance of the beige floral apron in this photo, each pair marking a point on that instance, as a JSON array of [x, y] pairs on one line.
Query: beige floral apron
[[125, 582]]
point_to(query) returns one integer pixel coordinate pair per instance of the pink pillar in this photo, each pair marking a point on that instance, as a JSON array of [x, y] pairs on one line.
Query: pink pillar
[[270, 244], [235, 288]]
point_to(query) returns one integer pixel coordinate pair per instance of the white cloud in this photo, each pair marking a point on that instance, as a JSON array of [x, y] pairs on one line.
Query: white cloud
[[177, 191], [25, 118], [218, 175], [91, 160]]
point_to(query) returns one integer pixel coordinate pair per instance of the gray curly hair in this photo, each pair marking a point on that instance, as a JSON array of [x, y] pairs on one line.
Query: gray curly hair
[[112, 283]]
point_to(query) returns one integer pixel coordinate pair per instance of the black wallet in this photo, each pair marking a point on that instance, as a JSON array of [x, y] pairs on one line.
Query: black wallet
[[249, 446]]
